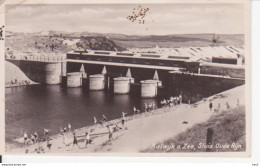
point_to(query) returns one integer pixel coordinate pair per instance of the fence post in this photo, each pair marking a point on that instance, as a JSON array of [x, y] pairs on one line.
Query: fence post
[[209, 139]]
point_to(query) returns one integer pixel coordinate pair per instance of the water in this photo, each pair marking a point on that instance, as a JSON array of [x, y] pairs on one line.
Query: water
[[36, 107]]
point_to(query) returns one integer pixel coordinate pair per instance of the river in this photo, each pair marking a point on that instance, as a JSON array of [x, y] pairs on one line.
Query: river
[[33, 108]]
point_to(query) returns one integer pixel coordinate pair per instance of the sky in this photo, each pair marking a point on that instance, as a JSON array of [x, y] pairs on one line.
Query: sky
[[161, 19]]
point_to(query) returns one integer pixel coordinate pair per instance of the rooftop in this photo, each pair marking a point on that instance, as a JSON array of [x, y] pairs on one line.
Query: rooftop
[[182, 53]]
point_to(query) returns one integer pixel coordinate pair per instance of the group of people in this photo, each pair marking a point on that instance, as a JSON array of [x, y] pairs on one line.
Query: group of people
[[102, 121], [65, 128], [147, 107], [88, 140], [87, 137], [34, 138], [172, 101], [76, 139], [150, 106], [219, 106], [22, 82]]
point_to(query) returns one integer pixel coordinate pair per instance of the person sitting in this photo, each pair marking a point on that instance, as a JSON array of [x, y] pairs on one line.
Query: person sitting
[[104, 118], [117, 128], [154, 105], [64, 129], [36, 136], [32, 139], [150, 107]]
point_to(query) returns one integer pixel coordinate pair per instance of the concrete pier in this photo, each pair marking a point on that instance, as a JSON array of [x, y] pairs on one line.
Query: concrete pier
[[121, 85], [74, 79], [149, 88], [96, 82], [52, 73], [63, 68]]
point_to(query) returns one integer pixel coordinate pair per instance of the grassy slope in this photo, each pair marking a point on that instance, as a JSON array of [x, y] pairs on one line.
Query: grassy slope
[[228, 127]]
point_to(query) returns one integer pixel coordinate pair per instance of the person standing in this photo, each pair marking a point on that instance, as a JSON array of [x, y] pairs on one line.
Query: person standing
[[95, 120], [75, 140], [227, 104], [87, 139], [123, 118], [45, 132], [145, 107], [69, 127], [180, 98], [110, 133], [64, 139], [123, 121], [49, 144], [104, 118], [25, 137], [1, 34], [210, 106], [134, 110]]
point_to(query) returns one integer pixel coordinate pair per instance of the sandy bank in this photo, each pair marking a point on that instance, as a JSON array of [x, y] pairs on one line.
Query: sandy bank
[[14, 77]]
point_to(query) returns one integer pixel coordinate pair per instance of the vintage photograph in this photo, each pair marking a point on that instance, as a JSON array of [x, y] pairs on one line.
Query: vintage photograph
[[126, 78]]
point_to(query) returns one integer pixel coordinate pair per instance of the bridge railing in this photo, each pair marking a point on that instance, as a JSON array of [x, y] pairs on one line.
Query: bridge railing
[[39, 58]]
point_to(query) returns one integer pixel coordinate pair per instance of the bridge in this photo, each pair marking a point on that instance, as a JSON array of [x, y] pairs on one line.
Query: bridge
[[41, 68], [49, 68]]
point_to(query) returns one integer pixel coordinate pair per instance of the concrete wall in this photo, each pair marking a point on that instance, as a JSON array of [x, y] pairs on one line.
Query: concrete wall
[[199, 86], [41, 72], [232, 72]]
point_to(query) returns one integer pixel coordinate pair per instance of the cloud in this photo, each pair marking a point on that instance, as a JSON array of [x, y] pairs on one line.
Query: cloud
[[161, 19]]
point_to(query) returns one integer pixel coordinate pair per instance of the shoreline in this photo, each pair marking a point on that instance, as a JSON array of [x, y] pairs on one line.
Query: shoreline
[[82, 130], [142, 130], [20, 85]]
